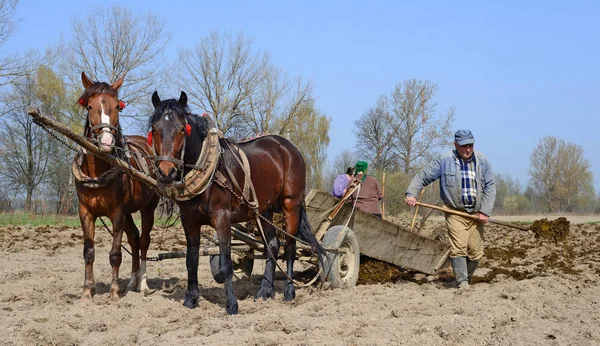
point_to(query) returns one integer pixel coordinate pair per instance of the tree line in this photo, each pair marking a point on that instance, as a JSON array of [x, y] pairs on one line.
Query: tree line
[[247, 94]]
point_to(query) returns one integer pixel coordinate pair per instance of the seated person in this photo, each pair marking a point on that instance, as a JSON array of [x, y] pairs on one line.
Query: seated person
[[341, 182], [367, 199]]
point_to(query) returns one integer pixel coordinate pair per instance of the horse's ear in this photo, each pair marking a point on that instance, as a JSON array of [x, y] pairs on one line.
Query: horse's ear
[[85, 80], [155, 100], [183, 99], [117, 85]]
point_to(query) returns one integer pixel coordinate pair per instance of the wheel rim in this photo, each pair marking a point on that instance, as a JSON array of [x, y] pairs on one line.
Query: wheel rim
[[346, 262]]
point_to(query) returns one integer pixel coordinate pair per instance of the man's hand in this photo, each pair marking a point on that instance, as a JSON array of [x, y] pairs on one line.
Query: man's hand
[[482, 218], [410, 200]]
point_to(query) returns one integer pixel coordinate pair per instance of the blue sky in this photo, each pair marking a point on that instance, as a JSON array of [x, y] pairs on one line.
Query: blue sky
[[514, 71]]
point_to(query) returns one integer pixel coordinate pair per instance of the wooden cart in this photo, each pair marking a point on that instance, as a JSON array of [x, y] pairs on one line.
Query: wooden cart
[[364, 234], [373, 237]]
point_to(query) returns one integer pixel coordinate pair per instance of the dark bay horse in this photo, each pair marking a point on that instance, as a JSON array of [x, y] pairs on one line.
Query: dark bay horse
[[105, 190], [277, 172]]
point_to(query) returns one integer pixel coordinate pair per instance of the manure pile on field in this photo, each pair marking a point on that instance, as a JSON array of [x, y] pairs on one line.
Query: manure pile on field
[[556, 230]]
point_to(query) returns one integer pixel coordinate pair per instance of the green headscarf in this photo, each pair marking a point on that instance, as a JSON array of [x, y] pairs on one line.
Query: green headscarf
[[361, 166]]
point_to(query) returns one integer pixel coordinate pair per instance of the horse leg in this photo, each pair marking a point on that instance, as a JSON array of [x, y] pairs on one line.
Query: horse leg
[[133, 238], [115, 256], [267, 285], [223, 227], [87, 223], [192, 236], [147, 223], [291, 212]]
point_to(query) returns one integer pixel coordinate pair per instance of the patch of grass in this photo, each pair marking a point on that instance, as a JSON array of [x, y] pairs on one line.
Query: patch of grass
[[22, 219], [34, 220]]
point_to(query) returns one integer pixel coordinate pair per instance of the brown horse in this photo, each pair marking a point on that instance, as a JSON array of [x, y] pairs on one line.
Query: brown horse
[[278, 174], [105, 190]]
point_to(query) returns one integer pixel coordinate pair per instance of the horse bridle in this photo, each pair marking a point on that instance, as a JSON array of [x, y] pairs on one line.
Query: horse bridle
[[179, 163], [103, 126], [93, 129]]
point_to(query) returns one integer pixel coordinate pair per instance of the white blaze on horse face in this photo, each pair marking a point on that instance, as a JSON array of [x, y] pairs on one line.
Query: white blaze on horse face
[[106, 138], [105, 118]]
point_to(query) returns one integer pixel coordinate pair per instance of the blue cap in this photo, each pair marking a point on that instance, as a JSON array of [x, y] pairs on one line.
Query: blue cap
[[464, 137]]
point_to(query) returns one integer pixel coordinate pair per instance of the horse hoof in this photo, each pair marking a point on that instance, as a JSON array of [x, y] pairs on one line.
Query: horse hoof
[[264, 294], [232, 308], [190, 303], [144, 289], [85, 298], [132, 287], [289, 293], [220, 277], [87, 295]]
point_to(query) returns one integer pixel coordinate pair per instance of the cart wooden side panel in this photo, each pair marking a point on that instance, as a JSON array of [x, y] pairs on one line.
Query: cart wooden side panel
[[380, 239]]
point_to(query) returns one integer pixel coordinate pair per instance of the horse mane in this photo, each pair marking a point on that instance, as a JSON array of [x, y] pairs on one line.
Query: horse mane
[[96, 89]]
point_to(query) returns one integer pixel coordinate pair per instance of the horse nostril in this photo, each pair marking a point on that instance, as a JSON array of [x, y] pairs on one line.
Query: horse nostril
[[172, 173]]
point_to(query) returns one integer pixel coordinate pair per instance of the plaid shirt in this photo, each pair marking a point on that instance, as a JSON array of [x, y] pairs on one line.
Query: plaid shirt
[[468, 184]]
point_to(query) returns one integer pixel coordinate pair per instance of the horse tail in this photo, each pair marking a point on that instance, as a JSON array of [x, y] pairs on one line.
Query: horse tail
[[305, 233]]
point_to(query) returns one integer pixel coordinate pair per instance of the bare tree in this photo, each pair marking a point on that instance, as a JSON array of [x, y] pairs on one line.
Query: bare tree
[[560, 175], [421, 129], [405, 127], [247, 95], [340, 164], [113, 42], [277, 105], [221, 74], [23, 145], [14, 65], [377, 136]]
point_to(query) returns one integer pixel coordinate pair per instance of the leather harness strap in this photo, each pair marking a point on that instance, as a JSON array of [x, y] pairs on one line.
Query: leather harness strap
[[103, 180]]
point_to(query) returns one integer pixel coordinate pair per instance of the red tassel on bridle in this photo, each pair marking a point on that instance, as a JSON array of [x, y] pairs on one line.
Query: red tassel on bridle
[[150, 138], [188, 130]]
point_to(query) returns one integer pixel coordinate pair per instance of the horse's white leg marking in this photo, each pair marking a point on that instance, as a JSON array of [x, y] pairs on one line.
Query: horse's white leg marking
[[143, 277]]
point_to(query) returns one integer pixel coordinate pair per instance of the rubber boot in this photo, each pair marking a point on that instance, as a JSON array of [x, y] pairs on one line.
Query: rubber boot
[[471, 267], [459, 265]]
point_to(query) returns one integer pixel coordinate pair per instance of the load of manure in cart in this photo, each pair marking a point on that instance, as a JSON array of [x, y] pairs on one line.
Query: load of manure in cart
[[373, 271], [556, 230]]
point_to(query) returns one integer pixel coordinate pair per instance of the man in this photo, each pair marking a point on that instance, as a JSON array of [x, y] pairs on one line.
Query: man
[[370, 192], [466, 184]]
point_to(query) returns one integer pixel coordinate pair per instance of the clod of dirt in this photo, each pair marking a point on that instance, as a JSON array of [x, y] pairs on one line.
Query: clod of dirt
[[556, 230]]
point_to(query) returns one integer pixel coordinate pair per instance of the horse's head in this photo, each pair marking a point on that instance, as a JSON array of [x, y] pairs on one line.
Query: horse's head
[[169, 131], [102, 103]]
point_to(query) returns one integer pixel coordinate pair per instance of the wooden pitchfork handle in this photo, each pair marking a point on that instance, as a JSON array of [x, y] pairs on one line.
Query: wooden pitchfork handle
[[474, 217]]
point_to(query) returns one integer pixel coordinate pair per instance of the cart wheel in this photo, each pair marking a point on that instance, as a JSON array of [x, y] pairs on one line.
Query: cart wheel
[[242, 267], [341, 269]]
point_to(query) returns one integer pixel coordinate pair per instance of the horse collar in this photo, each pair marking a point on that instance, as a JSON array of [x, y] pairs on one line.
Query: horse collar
[[199, 178]]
